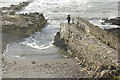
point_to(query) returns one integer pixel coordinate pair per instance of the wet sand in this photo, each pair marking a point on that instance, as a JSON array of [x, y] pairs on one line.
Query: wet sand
[[7, 38], [56, 68]]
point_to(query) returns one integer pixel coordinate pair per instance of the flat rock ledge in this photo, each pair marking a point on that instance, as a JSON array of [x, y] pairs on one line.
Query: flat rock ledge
[[22, 24], [94, 48]]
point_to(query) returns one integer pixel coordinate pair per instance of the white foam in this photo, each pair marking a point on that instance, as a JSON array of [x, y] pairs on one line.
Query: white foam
[[106, 26], [6, 48], [17, 56], [34, 45]]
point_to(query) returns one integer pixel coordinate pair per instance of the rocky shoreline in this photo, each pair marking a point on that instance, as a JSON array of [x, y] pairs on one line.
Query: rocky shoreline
[[95, 49], [13, 8], [23, 25], [113, 21]]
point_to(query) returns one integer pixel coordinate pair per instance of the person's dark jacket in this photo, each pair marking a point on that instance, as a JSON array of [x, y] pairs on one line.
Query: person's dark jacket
[[68, 18]]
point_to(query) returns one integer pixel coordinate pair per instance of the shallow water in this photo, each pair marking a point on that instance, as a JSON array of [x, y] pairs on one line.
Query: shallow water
[[40, 45]]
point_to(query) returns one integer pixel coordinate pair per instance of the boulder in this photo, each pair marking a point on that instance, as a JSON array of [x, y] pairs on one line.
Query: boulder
[[4, 8], [11, 12], [23, 4], [34, 14], [60, 42], [12, 7]]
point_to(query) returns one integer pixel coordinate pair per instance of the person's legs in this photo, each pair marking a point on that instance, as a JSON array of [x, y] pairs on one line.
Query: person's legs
[[68, 22]]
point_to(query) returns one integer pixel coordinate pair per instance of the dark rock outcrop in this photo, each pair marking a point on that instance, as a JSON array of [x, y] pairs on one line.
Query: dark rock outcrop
[[113, 21], [60, 42], [13, 8]]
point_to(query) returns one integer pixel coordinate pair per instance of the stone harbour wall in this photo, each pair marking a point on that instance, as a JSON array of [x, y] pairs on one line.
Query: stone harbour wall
[[89, 44], [107, 36]]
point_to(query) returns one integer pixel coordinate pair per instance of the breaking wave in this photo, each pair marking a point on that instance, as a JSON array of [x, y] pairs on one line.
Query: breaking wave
[[35, 45]]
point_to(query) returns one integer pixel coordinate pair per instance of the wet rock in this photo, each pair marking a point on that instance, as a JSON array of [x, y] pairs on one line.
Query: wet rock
[[12, 12], [111, 67], [26, 14], [113, 21], [14, 7], [60, 42], [33, 62], [19, 7], [24, 4], [34, 14], [5, 8], [114, 31]]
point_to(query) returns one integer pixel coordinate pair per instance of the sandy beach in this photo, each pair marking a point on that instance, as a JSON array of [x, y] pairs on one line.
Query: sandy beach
[[59, 68]]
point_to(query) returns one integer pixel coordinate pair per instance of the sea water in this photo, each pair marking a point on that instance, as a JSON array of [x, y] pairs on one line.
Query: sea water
[[40, 45]]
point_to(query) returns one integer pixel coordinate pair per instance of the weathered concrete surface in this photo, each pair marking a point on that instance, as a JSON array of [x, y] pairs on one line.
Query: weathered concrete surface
[[89, 44]]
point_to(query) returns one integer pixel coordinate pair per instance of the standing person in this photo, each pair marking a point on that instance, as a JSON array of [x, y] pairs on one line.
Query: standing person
[[69, 18]]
